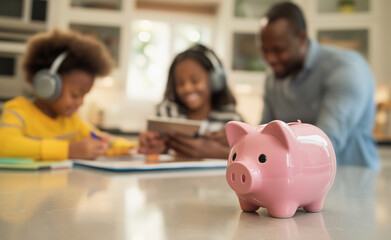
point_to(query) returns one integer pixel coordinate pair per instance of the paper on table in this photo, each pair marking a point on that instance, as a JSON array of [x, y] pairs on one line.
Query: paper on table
[[139, 163]]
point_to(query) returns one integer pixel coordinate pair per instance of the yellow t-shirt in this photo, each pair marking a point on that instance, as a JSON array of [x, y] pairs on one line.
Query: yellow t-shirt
[[25, 131]]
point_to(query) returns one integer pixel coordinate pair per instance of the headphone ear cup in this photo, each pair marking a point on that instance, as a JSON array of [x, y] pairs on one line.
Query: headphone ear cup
[[47, 86], [217, 80]]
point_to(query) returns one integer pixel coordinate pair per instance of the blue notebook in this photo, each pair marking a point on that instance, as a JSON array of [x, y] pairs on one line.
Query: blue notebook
[[139, 163]]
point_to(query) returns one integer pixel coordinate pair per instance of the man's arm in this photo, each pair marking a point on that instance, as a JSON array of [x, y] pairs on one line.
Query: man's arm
[[346, 96], [267, 112]]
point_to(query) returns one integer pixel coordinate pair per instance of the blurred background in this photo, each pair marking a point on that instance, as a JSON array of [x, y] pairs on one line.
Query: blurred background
[[143, 36]]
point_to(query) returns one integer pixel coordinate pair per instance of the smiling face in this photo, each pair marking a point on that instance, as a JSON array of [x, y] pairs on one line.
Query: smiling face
[[192, 85], [75, 85], [282, 48]]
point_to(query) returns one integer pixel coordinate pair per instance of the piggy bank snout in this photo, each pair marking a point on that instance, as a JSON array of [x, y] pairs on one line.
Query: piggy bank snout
[[241, 178]]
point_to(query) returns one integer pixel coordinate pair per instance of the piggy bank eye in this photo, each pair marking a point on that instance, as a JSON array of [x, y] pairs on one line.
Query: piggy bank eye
[[234, 157], [262, 158]]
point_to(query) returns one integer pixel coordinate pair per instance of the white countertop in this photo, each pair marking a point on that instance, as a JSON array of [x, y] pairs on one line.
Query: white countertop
[[84, 203]]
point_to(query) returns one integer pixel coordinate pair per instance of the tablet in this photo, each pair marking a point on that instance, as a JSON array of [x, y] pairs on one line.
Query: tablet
[[185, 127]]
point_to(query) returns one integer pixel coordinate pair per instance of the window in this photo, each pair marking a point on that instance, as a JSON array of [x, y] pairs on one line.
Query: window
[[7, 66], [343, 6], [354, 39], [149, 59], [188, 34], [20, 19], [246, 55], [38, 10], [12, 83], [15, 9], [98, 4], [252, 8], [154, 44], [108, 35], [11, 8]]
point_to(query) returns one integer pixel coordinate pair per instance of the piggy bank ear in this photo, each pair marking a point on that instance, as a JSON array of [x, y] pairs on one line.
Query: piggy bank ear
[[235, 130], [282, 132]]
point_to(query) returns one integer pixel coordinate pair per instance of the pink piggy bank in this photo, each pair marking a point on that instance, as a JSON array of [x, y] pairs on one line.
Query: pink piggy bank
[[280, 166]]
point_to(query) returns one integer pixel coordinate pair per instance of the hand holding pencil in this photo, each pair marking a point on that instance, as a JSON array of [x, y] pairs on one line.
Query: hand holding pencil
[[115, 146], [87, 148]]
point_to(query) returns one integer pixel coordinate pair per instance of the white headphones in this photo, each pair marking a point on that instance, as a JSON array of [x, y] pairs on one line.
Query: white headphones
[[47, 83]]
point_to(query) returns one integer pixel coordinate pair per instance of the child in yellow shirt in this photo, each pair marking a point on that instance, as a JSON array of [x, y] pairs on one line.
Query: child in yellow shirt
[[61, 66]]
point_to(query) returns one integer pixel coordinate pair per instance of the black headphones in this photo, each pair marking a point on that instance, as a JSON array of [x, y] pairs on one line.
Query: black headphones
[[47, 83], [217, 78]]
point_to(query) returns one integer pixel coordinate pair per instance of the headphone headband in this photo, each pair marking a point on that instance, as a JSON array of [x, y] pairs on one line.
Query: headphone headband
[[57, 63], [213, 60]]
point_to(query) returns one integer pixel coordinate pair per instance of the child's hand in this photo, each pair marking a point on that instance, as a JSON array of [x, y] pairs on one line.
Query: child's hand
[[87, 148], [218, 136], [105, 137], [152, 143], [197, 147]]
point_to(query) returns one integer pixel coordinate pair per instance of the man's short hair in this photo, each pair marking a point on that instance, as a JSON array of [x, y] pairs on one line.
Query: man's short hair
[[290, 12]]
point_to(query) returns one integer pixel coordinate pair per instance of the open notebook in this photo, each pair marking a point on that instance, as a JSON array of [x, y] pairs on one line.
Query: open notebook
[[140, 163]]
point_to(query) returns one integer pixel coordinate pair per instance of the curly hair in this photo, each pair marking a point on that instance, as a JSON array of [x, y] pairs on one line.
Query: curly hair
[[219, 99], [84, 53]]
